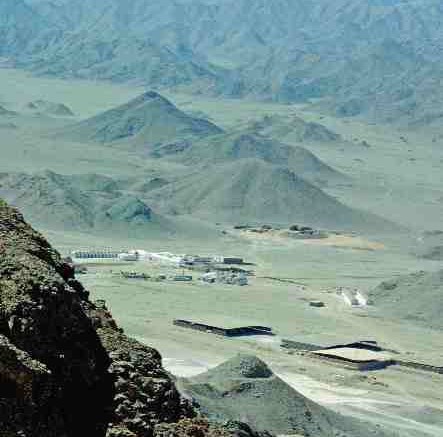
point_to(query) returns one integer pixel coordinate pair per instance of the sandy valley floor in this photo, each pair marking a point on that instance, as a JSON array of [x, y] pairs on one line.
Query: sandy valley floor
[[402, 181]]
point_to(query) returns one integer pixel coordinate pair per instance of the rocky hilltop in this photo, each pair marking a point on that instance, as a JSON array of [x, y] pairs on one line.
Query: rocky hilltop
[[66, 368]]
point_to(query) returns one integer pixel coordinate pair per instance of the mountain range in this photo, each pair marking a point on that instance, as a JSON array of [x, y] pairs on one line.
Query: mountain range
[[233, 192], [380, 58], [208, 173]]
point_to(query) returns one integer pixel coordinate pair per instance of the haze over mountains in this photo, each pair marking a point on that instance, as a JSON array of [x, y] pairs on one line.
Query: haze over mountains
[[379, 58], [234, 176], [301, 136]]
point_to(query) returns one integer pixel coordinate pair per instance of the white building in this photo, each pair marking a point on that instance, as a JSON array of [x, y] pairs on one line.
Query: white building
[[130, 256], [349, 298]]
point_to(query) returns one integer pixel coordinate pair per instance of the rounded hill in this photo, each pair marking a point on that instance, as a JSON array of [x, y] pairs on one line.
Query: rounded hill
[[250, 189], [231, 147]]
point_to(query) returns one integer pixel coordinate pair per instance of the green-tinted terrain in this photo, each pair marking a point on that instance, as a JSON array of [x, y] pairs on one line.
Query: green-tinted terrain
[[278, 164], [374, 58], [223, 127], [263, 121]]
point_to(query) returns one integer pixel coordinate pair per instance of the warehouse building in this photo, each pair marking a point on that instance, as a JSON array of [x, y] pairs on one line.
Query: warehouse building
[[225, 330], [358, 359]]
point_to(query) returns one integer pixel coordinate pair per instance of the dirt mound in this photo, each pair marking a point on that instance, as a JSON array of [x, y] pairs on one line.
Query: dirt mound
[[49, 108], [244, 388], [243, 366]]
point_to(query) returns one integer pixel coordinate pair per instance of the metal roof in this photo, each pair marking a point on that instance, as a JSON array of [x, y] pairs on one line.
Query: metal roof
[[352, 354]]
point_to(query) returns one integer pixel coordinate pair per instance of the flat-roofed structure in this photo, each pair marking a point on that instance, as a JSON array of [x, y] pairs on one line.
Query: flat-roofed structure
[[371, 345], [359, 359], [317, 341], [233, 260], [225, 328]]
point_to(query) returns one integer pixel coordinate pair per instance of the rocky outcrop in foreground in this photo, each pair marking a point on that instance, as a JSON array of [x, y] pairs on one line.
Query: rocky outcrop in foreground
[[66, 369]]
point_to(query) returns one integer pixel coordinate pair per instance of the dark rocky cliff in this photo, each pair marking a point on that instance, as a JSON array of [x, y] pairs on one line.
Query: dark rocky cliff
[[66, 368]]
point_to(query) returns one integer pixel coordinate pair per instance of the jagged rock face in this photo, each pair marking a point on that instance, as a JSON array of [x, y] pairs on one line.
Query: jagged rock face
[[42, 316], [200, 428], [66, 369], [144, 393]]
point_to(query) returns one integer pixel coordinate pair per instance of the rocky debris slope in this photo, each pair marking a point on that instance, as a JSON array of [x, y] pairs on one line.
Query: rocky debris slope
[[416, 298], [66, 369], [336, 53], [245, 388]]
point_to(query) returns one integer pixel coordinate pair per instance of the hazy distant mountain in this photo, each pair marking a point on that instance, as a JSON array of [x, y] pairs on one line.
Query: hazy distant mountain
[[147, 120], [380, 57], [23, 29]]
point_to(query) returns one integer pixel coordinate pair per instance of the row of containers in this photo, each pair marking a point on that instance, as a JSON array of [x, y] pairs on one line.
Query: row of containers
[[160, 257]]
